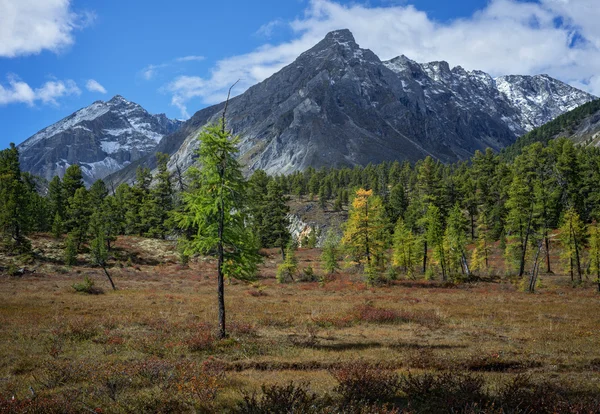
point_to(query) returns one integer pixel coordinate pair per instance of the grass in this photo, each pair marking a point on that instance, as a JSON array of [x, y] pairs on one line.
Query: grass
[[150, 345]]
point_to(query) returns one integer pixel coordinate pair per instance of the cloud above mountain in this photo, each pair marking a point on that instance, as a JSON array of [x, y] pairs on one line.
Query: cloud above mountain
[[31, 26], [557, 37], [18, 91]]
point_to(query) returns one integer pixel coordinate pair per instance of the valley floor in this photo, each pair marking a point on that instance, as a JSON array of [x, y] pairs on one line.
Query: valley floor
[[151, 341]]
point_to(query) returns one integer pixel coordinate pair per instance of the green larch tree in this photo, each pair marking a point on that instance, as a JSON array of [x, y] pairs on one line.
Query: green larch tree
[[406, 248], [572, 237], [217, 207]]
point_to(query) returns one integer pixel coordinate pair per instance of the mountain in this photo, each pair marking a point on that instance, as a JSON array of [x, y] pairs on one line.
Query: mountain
[[102, 138], [581, 125], [338, 104]]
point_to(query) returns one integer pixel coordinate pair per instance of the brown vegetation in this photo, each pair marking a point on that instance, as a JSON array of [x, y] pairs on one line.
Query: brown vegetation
[[151, 346]]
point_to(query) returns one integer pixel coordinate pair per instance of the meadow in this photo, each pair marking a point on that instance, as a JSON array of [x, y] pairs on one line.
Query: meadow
[[405, 346]]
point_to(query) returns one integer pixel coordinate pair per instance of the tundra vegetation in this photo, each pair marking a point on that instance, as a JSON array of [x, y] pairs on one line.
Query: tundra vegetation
[[470, 287]]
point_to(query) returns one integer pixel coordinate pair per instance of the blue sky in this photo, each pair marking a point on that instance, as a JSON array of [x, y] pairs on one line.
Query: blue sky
[[57, 56]]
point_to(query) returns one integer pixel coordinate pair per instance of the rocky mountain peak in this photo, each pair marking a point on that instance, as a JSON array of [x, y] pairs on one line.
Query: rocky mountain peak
[[103, 138], [342, 36]]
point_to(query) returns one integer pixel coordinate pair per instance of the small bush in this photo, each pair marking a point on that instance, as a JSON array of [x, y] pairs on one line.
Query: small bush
[[81, 329], [308, 275], [201, 339], [364, 382], [87, 286], [447, 392], [290, 398]]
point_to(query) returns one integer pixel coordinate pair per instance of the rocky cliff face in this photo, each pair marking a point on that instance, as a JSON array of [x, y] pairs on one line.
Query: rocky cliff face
[[103, 138], [338, 104]]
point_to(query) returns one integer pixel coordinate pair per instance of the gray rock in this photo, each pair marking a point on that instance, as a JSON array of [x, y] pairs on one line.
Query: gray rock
[[102, 138], [338, 104]]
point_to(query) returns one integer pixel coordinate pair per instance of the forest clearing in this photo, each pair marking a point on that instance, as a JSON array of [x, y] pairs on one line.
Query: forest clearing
[[151, 345]]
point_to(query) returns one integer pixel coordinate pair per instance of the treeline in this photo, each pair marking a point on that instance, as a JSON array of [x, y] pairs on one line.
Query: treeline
[[151, 207], [427, 211], [435, 209], [565, 123]]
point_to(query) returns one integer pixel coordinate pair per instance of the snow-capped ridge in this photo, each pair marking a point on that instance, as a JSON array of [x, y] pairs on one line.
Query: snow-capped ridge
[[102, 137]]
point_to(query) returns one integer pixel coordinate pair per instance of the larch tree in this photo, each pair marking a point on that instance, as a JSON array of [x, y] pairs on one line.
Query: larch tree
[[435, 237], [520, 222], [216, 207], [330, 254], [455, 240], [480, 256], [365, 233], [406, 248], [594, 251], [572, 237]]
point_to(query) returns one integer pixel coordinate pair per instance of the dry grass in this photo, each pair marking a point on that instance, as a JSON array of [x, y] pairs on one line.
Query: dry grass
[[152, 341]]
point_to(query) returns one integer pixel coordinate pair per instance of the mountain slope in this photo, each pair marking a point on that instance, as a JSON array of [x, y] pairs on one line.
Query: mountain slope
[[582, 125], [103, 138], [338, 104]]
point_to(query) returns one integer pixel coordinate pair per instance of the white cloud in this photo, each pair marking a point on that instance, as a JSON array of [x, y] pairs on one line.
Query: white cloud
[[18, 91], [558, 37], [150, 71], [267, 29], [30, 26], [191, 58], [92, 85]]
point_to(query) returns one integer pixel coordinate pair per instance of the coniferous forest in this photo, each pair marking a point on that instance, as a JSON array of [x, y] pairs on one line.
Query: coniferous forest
[[414, 218]]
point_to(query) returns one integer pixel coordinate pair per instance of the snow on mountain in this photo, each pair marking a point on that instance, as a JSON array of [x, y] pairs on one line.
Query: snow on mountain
[[102, 138], [338, 104]]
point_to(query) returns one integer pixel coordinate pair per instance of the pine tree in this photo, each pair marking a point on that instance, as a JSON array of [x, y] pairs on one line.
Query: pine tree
[[217, 207], [97, 193], [273, 230], [14, 219], [157, 207], [136, 202], [365, 237], [572, 234], [70, 253], [406, 248], [72, 181], [57, 226], [56, 198], [329, 256], [78, 214]]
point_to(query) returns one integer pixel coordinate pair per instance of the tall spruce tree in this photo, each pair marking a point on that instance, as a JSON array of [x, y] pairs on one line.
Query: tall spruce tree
[[273, 231]]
